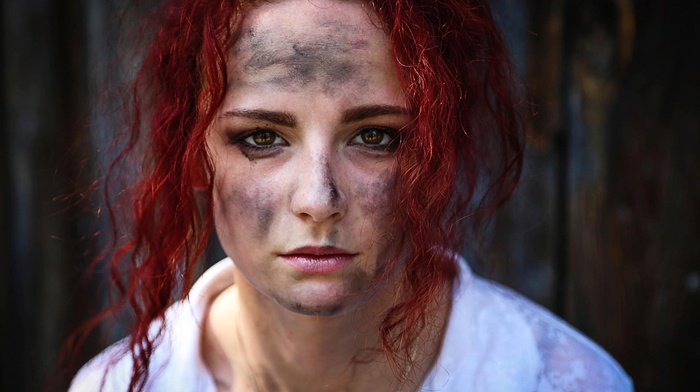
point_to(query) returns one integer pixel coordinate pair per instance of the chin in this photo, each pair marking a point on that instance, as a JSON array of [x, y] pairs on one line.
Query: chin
[[321, 301], [326, 310]]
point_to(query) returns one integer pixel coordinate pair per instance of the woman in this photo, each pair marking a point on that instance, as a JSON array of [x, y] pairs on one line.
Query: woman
[[336, 147]]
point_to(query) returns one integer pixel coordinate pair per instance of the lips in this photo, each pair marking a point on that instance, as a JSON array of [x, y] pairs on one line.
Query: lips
[[318, 259]]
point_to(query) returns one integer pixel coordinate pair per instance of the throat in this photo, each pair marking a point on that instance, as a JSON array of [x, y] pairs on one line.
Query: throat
[[250, 347]]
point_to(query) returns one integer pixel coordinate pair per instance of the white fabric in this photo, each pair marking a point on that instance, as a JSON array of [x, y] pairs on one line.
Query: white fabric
[[496, 340]]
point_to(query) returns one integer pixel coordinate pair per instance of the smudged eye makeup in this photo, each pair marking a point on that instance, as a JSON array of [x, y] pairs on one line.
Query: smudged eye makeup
[[263, 143], [263, 138], [259, 143]]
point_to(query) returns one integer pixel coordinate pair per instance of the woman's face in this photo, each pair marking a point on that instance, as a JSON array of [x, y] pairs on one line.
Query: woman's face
[[304, 154]]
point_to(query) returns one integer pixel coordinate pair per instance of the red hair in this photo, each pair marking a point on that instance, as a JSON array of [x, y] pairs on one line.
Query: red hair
[[458, 161]]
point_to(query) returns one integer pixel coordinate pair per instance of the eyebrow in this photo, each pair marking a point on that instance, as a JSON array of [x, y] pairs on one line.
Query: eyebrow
[[362, 112], [279, 118], [287, 120]]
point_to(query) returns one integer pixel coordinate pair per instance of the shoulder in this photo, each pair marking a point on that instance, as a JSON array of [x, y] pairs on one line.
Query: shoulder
[[567, 360], [176, 361], [497, 340], [110, 371]]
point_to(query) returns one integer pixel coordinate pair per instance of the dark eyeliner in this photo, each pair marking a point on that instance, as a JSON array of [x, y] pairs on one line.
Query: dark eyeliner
[[252, 151], [241, 138], [390, 132]]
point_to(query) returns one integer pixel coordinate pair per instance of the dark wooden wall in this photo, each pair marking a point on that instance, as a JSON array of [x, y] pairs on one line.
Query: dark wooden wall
[[604, 229]]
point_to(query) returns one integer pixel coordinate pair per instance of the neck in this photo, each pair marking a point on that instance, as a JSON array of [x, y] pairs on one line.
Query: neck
[[290, 351], [274, 349]]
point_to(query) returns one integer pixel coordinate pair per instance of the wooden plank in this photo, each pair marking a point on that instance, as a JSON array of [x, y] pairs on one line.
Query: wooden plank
[[635, 211], [43, 98]]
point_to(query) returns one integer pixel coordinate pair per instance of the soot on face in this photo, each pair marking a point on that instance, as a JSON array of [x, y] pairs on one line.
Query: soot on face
[[332, 188], [327, 59], [357, 282], [260, 202], [265, 212], [374, 198]]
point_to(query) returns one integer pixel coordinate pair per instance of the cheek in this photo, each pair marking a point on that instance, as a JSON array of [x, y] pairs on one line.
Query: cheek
[[245, 206], [375, 201], [375, 196]]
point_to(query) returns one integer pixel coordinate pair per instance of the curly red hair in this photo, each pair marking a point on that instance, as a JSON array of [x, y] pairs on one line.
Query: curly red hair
[[457, 163]]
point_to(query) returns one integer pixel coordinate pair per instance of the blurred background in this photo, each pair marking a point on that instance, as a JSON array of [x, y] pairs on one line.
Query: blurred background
[[604, 229]]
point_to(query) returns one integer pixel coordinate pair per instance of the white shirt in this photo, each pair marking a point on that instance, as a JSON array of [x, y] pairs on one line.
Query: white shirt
[[496, 341]]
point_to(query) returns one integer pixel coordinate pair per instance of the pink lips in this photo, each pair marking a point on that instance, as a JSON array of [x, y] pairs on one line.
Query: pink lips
[[318, 259]]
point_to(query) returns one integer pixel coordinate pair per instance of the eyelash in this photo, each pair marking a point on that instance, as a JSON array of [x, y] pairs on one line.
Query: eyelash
[[389, 145], [261, 131], [249, 147]]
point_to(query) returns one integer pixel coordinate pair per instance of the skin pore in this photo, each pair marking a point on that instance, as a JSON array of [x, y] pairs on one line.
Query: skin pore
[[303, 151]]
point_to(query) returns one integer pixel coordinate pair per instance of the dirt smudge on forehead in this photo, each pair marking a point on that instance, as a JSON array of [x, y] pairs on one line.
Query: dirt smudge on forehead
[[326, 58]]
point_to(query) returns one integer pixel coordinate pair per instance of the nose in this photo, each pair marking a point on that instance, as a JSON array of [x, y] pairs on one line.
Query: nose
[[318, 195]]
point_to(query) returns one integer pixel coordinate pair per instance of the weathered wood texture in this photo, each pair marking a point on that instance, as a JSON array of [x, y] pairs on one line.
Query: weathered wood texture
[[635, 243], [617, 129], [42, 95], [604, 229]]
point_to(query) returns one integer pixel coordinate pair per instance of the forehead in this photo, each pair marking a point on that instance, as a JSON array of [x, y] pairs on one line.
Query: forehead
[[298, 43]]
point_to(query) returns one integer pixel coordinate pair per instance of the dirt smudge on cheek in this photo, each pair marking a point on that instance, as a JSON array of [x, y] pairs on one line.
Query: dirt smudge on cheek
[[375, 198], [376, 206], [265, 212], [256, 207]]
